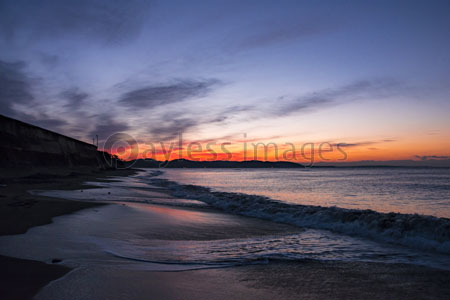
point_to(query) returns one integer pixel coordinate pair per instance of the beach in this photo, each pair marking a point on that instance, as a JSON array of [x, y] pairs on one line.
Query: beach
[[172, 248], [20, 211], [224, 150]]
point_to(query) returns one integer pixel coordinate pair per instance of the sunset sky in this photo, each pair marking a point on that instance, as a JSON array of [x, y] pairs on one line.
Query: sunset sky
[[372, 76]]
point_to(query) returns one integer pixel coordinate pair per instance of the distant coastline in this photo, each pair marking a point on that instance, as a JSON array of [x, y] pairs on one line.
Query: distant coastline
[[26, 146], [184, 163], [430, 163], [254, 164]]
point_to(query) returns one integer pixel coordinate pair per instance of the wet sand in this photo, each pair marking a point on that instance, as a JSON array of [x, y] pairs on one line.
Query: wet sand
[[119, 279], [20, 211], [22, 279], [275, 280], [307, 280]]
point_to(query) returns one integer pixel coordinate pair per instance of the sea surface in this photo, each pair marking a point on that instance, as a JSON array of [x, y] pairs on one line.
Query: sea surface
[[423, 191], [179, 219], [404, 206]]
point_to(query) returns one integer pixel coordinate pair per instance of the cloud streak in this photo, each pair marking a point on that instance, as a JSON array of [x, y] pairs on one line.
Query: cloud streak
[[171, 129], [106, 126], [15, 86], [74, 97], [432, 157], [322, 99], [363, 89], [43, 120], [158, 95], [279, 34], [170, 125], [364, 143], [102, 20]]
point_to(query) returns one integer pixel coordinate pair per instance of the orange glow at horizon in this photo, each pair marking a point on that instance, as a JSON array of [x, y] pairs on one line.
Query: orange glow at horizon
[[298, 152]]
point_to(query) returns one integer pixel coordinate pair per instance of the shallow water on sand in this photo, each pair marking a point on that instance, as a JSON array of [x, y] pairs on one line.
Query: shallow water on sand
[[150, 229], [147, 229]]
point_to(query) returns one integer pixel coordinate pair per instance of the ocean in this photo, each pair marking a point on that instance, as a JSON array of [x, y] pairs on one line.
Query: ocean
[[405, 207], [424, 191], [182, 219]]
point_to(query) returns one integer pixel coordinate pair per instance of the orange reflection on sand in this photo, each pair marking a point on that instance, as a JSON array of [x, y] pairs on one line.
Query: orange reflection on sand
[[187, 215]]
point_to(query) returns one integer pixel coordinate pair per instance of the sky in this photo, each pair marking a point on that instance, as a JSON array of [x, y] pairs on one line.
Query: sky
[[368, 78]]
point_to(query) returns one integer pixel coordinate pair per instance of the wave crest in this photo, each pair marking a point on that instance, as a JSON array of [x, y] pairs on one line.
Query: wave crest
[[411, 230]]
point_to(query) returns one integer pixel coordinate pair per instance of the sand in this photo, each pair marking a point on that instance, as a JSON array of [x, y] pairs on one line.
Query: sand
[[19, 211], [22, 279], [118, 280], [308, 280]]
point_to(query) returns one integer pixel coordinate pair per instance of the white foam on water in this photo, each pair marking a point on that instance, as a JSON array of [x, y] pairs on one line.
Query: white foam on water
[[411, 230]]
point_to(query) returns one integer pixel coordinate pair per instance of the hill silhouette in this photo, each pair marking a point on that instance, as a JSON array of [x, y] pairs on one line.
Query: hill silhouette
[[184, 163]]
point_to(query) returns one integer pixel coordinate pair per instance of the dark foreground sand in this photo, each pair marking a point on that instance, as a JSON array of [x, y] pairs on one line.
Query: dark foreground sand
[[21, 279], [19, 211], [307, 280]]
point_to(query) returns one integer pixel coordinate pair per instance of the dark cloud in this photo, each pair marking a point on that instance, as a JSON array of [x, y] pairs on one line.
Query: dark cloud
[[236, 109], [280, 33], [74, 98], [211, 140], [15, 86], [303, 104], [157, 95], [351, 145], [99, 19], [170, 125], [364, 143], [106, 126], [363, 89], [118, 139], [48, 122], [44, 121], [170, 129], [432, 157]]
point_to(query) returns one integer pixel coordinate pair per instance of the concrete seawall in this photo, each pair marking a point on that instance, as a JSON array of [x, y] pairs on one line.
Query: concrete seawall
[[24, 145]]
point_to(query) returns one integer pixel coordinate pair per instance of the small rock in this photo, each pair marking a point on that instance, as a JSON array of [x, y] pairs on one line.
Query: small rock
[[56, 260]]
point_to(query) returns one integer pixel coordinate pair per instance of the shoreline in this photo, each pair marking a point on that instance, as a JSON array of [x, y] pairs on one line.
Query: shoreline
[[20, 211], [311, 279]]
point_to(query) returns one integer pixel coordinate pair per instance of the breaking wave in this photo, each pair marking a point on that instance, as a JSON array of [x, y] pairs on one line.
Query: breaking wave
[[410, 230]]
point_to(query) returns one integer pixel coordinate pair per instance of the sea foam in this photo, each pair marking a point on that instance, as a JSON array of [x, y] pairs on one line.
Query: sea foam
[[411, 230]]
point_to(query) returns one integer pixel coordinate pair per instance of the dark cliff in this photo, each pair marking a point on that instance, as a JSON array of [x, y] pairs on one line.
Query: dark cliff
[[27, 146]]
